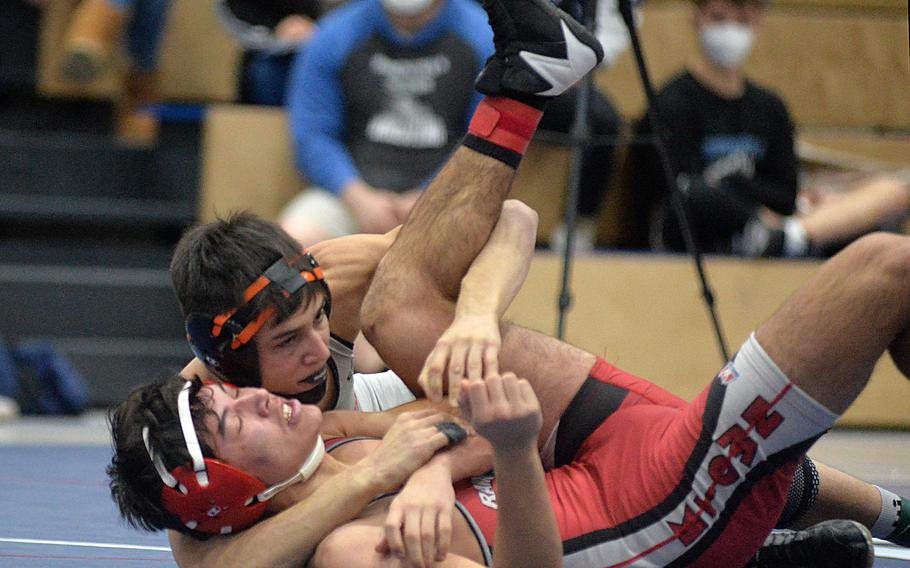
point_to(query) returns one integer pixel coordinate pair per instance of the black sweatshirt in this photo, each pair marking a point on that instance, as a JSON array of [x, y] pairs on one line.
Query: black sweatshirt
[[702, 131]]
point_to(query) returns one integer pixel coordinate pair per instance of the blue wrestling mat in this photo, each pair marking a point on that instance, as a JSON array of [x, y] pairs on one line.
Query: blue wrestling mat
[[57, 513]]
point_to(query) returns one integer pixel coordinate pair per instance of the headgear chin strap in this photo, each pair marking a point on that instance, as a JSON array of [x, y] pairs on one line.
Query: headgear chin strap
[[220, 341], [214, 497]]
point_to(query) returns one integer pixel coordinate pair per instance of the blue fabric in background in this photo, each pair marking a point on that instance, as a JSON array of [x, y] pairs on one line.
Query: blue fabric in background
[[146, 27]]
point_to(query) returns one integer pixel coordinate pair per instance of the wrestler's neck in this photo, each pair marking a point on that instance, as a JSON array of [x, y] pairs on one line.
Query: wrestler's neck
[[298, 492], [197, 368], [331, 390], [724, 82]]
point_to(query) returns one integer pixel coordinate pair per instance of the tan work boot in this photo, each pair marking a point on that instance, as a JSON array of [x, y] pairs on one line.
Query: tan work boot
[[137, 122], [95, 30]]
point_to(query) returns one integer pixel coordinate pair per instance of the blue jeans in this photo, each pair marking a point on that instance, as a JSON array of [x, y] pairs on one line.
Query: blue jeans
[[264, 77], [143, 37]]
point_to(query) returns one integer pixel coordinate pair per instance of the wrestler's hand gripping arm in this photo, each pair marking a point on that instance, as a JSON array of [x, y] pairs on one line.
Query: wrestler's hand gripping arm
[[470, 344], [469, 348]]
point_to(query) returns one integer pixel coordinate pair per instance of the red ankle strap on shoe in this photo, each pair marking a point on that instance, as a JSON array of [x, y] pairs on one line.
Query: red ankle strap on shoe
[[505, 122], [502, 129]]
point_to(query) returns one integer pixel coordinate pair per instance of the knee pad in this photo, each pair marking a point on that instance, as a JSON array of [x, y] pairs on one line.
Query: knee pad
[[802, 493]]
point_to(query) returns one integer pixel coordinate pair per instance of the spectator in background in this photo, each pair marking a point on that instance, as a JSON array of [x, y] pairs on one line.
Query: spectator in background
[[271, 32], [731, 142], [96, 31], [376, 103]]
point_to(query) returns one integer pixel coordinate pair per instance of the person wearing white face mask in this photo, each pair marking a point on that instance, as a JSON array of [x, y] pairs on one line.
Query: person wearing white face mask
[[728, 44], [731, 142], [376, 103]]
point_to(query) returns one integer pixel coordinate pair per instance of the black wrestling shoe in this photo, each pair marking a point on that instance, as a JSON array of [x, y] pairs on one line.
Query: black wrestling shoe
[[830, 544], [901, 536], [540, 50]]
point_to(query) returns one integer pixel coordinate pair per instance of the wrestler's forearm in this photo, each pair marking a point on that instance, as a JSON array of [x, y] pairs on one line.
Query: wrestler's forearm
[[290, 537], [526, 526], [349, 423], [500, 269], [473, 456]]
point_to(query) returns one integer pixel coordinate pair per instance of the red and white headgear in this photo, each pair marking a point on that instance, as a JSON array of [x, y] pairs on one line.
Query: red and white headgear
[[213, 497]]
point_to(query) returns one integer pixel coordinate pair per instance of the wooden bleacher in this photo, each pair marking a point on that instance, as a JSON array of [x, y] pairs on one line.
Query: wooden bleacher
[[247, 162], [839, 64], [836, 63], [644, 314], [198, 59]]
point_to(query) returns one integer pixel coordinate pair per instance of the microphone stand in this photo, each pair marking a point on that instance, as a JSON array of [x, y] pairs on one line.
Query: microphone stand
[[676, 199], [580, 138]]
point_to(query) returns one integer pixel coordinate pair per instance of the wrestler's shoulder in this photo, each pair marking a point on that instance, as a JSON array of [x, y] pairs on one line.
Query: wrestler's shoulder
[[357, 245]]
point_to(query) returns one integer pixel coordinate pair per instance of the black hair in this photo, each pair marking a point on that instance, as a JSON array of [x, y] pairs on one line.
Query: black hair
[[214, 263], [135, 484]]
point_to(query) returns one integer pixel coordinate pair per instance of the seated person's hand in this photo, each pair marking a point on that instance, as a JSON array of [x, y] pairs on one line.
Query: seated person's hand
[[295, 29], [375, 210], [504, 410], [410, 442], [418, 526], [468, 349]]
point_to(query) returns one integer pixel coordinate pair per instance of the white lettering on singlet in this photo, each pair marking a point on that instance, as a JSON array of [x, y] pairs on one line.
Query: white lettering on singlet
[[483, 484]]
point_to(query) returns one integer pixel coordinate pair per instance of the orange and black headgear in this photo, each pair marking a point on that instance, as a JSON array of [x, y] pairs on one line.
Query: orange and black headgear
[[224, 341]]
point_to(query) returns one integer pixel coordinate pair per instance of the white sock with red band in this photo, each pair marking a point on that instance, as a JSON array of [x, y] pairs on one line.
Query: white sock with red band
[[502, 128]]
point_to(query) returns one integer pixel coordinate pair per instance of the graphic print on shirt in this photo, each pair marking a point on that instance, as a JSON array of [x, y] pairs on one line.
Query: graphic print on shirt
[[406, 107], [407, 121]]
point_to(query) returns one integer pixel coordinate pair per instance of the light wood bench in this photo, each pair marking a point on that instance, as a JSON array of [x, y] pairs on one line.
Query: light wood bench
[[198, 59], [833, 66], [247, 162], [645, 314]]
